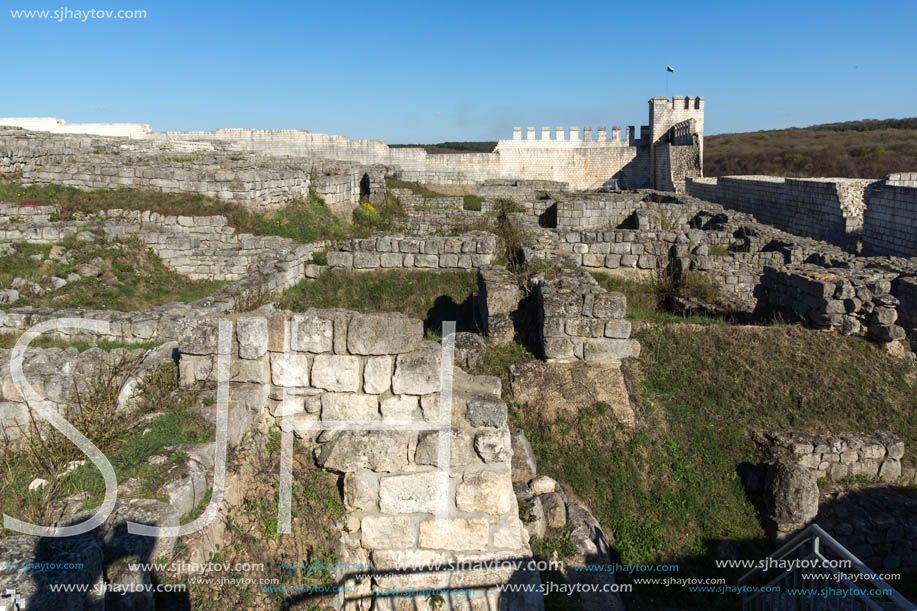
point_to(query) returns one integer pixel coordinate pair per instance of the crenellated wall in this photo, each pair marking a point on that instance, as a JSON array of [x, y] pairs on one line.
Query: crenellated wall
[[588, 161]]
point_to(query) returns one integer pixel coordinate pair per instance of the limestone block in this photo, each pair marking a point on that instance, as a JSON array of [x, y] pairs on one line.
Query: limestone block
[[413, 492], [457, 534], [402, 408], [481, 411], [461, 451], [349, 406], [542, 484], [309, 333], [289, 369], [336, 372], [418, 372], [388, 532], [595, 349], [493, 445], [252, 335], [339, 259], [377, 374], [610, 305], [249, 371], [618, 329], [485, 491], [372, 334], [365, 260], [555, 510], [375, 450]]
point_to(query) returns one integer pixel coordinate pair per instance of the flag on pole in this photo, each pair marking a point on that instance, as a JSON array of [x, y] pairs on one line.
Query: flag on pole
[[669, 68]]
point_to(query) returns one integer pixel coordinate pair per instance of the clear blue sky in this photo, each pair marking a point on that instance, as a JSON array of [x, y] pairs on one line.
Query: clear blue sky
[[433, 71]]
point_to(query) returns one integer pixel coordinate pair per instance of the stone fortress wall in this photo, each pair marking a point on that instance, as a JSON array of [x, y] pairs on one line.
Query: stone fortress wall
[[337, 366], [588, 161], [841, 211], [254, 181]]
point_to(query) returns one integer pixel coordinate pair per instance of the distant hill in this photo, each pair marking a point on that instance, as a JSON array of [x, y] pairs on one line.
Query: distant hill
[[855, 149], [445, 148]]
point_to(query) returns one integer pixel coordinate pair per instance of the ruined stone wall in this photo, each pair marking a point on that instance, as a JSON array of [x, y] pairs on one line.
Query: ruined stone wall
[[594, 211], [829, 209], [890, 220], [902, 179], [857, 301], [200, 247], [338, 366], [581, 320], [839, 456], [254, 181], [468, 251]]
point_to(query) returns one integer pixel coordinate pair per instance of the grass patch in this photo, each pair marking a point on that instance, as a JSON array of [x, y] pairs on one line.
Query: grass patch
[[303, 220], [77, 204], [8, 340], [414, 187], [644, 300], [671, 492], [472, 202], [431, 296], [93, 412], [131, 278]]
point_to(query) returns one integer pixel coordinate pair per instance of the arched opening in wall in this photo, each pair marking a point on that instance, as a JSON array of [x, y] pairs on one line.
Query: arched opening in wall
[[364, 187]]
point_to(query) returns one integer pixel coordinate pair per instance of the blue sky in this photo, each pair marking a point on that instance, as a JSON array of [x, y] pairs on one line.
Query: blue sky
[[434, 71]]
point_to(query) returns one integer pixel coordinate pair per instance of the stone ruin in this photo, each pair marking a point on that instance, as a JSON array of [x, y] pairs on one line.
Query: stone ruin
[[757, 239]]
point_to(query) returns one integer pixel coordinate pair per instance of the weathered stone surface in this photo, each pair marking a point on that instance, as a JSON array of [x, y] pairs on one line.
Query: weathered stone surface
[[597, 349], [484, 411], [289, 369], [555, 510], [542, 484], [336, 372], [380, 451], [185, 486], [404, 408], [198, 336], [523, 464], [532, 514], [377, 374], [32, 586], [459, 534], [361, 491], [564, 389], [349, 406], [469, 349], [252, 335], [461, 451], [388, 532], [412, 493], [373, 334], [485, 491], [493, 445], [310, 333], [791, 494], [418, 372]]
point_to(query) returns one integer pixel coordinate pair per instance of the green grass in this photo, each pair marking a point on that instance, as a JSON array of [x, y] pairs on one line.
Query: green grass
[[414, 187], [430, 296], [74, 204], [472, 202], [643, 301], [671, 492], [303, 220], [127, 449], [134, 278], [8, 340]]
